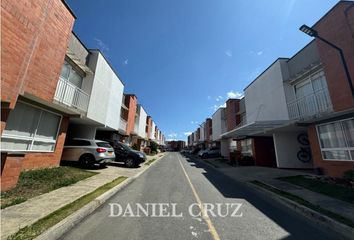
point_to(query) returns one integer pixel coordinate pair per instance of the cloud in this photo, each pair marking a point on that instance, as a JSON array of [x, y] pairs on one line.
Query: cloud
[[209, 97], [101, 45], [228, 53], [218, 98], [126, 62], [216, 107], [259, 53], [234, 94], [194, 122], [172, 135], [187, 133]]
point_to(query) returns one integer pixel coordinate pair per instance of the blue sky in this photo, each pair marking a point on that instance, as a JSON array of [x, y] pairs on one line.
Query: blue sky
[[183, 58]]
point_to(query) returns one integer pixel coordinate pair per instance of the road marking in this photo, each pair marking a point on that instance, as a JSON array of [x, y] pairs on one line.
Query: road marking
[[206, 218]]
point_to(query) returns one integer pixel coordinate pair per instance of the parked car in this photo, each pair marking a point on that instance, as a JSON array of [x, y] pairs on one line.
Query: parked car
[[201, 152], [88, 152], [211, 152], [125, 154]]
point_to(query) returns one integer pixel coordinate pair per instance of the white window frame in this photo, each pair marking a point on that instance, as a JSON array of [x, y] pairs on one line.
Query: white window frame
[[348, 149], [34, 138]]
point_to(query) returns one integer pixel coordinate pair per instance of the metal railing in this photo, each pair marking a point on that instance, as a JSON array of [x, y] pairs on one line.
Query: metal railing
[[311, 105], [71, 95], [123, 124]]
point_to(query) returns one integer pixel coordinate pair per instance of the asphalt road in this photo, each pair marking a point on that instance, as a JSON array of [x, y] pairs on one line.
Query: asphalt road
[[176, 179]]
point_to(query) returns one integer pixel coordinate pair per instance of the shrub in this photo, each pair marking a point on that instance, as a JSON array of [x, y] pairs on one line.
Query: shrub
[[153, 147], [349, 175]]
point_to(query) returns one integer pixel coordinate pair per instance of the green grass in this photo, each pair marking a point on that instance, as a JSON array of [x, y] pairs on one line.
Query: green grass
[[36, 182], [330, 189], [150, 161], [34, 230], [305, 203]]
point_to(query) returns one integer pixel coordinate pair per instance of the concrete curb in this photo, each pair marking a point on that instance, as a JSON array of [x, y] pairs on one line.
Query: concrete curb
[[344, 230], [68, 223]]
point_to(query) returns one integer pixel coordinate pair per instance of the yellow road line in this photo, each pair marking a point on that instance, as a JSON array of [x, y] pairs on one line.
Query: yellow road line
[[205, 216]]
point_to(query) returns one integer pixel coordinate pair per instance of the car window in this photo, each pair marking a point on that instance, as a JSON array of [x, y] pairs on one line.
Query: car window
[[77, 142], [104, 144]]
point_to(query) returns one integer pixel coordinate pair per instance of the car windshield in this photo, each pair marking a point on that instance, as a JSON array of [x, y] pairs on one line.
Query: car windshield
[[126, 147]]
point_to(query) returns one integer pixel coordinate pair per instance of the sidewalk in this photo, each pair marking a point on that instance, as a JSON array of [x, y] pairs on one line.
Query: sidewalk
[[269, 175], [18, 216]]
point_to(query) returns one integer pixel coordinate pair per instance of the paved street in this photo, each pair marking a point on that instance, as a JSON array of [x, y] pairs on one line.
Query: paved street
[[176, 179]]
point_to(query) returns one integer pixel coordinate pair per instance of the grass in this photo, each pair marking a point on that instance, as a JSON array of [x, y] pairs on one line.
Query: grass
[[330, 189], [150, 161], [305, 203], [36, 182], [37, 228]]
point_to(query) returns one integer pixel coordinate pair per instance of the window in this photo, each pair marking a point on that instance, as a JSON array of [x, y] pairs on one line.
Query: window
[[30, 129], [246, 147], [337, 140], [70, 74]]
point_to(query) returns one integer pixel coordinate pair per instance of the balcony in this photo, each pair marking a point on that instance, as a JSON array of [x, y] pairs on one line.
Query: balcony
[[312, 105], [71, 95], [123, 125]]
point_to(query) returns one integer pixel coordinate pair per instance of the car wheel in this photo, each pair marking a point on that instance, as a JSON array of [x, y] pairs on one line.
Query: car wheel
[[86, 160], [130, 163]]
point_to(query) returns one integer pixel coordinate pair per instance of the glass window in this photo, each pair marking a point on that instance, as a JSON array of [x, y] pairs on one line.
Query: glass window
[[30, 129], [70, 74], [348, 127], [337, 140], [246, 147]]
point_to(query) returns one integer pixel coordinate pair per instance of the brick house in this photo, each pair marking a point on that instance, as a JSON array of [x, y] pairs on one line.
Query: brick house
[[332, 135], [41, 31]]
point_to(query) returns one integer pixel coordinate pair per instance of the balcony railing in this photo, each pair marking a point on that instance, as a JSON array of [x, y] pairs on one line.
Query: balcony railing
[[71, 95], [311, 105], [123, 124]]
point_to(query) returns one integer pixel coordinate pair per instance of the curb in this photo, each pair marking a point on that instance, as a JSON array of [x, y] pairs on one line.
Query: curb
[[331, 224], [69, 222], [317, 217]]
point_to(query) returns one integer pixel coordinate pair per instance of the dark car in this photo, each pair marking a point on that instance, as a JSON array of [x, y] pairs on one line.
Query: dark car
[[127, 155]]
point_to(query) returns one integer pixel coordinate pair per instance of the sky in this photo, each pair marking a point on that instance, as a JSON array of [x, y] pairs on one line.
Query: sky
[[184, 58]]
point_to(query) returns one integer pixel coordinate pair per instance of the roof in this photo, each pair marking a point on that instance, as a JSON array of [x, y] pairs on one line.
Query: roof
[[258, 127]]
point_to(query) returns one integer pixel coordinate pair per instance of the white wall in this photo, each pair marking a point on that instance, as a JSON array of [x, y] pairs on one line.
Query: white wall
[[152, 134], [142, 122], [218, 124], [265, 97], [225, 147], [202, 132], [286, 149], [107, 92]]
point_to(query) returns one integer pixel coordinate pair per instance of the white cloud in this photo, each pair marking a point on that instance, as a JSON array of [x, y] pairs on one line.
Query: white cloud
[[216, 107], [218, 98], [187, 133], [126, 61], [172, 135], [101, 45], [234, 94], [228, 53], [259, 53]]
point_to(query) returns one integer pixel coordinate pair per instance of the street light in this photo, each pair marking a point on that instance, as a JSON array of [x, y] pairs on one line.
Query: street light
[[313, 33]]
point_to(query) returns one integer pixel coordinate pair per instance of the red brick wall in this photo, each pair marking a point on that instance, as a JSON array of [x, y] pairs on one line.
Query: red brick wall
[[34, 35], [232, 107], [332, 168], [208, 129], [338, 27], [10, 170], [131, 102], [149, 126]]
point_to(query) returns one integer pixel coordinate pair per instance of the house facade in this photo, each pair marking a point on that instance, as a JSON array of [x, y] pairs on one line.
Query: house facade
[[28, 88]]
